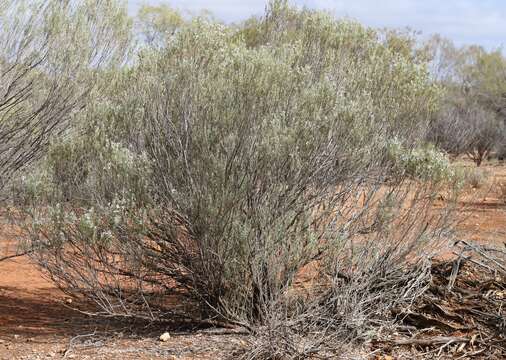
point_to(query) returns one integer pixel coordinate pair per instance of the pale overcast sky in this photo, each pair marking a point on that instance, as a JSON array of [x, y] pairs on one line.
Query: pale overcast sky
[[464, 21]]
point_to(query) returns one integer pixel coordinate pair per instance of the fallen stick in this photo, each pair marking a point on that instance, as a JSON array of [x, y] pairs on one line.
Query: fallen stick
[[437, 340], [474, 353], [8, 257], [482, 251]]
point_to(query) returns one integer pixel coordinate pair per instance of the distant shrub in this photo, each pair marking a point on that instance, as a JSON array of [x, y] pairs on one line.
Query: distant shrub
[[425, 162], [85, 170], [476, 178], [501, 187], [93, 169], [31, 187]]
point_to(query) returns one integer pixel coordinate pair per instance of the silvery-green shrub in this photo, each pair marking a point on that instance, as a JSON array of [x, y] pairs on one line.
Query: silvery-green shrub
[[267, 149]]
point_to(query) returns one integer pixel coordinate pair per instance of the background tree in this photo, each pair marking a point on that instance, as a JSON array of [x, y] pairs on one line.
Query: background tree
[[471, 117], [52, 56], [487, 79], [156, 24]]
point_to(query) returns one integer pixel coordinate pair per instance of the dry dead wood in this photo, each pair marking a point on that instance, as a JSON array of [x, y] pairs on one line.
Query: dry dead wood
[[465, 304]]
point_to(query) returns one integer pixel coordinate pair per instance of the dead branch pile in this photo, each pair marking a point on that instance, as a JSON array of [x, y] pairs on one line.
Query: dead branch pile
[[463, 313]]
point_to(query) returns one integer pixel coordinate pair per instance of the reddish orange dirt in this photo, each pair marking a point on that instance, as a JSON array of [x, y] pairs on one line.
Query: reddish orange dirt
[[483, 209], [37, 323]]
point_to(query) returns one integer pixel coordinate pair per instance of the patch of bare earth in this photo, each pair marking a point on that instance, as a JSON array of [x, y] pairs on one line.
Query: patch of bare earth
[[38, 322], [484, 209]]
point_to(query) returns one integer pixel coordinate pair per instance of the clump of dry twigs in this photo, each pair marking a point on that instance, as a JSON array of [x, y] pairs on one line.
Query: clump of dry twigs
[[462, 312], [354, 310], [458, 312]]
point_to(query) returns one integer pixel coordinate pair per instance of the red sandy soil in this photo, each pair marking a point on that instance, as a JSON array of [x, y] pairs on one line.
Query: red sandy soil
[[37, 323], [483, 210]]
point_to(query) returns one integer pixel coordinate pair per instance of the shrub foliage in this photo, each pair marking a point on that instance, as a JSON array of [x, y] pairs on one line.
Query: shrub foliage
[[233, 160]]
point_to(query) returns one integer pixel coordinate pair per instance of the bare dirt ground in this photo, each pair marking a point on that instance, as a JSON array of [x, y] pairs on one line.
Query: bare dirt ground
[[484, 209], [36, 321]]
